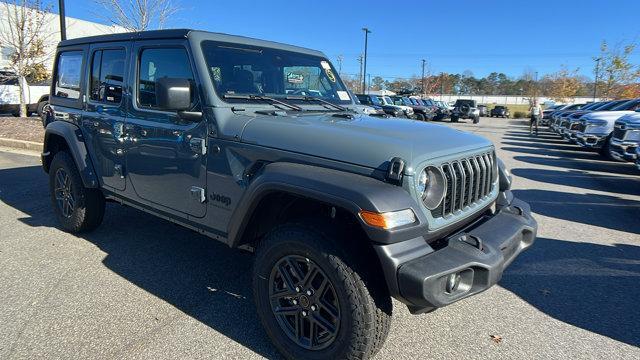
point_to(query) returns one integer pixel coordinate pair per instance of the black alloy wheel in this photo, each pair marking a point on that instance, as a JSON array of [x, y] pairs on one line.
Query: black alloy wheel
[[64, 193], [304, 302]]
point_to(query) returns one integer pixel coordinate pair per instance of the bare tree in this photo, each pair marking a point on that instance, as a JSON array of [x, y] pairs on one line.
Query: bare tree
[[138, 15], [24, 35]]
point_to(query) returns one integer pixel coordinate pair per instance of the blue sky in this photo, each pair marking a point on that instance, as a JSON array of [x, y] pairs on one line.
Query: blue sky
[[508, 36]]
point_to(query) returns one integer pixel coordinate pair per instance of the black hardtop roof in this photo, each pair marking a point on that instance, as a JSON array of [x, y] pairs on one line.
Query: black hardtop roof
[[185, 33]]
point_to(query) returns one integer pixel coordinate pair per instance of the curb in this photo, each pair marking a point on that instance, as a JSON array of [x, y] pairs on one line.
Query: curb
[[21, 144]]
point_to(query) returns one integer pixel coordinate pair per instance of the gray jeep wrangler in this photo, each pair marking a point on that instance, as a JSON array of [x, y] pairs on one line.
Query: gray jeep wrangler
[[465, 109], [251, 143]]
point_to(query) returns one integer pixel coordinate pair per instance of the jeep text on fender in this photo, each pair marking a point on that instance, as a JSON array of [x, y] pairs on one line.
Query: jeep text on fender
[[252, 143]]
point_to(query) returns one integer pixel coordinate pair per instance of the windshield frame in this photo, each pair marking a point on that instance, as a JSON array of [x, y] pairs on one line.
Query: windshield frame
[[321, 60]]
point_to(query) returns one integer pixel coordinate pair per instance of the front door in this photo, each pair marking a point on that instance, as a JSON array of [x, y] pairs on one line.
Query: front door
[[105, 111], [165, 157]]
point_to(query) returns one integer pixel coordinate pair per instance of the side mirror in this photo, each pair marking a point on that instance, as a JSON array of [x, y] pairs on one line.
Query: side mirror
[[173, 94]]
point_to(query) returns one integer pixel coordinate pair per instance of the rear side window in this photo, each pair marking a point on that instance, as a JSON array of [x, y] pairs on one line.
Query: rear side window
[[69, 69], [107, 75], [157, 63]]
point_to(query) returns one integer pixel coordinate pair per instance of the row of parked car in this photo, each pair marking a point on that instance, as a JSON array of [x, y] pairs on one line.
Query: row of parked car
[[410, 107], [611, 127]]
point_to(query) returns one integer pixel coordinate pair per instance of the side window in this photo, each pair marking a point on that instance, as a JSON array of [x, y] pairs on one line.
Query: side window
[[107, 75], [69, 69], [157, 63]]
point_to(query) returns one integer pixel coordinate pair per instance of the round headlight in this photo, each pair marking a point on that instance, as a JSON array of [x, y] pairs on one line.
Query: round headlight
[[431, 187]]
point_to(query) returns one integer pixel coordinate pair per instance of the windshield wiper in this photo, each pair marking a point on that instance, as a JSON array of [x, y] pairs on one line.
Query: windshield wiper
[[273, 101], [325, 103]]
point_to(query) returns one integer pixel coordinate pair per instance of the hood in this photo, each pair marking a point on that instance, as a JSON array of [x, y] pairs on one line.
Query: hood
[[609, 116], [630, 119], [362, 140]]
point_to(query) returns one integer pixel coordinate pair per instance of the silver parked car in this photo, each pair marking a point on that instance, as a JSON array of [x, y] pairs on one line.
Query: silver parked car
[[596, 128], [625, 139]]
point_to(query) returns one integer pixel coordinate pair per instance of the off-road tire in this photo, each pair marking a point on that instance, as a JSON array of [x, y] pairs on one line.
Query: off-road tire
[[476, 119], [454, 119], [88, 209], [421, 117], [365, 305]]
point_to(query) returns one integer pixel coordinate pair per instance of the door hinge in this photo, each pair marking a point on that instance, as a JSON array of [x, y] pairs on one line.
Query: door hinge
[[197, 194], [198, 145]]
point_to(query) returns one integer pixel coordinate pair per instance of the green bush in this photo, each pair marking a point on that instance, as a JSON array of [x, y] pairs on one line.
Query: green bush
[[520, 115]]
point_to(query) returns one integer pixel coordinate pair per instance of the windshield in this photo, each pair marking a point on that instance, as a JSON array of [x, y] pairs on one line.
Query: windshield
[[387, 100], [609, 105], [249, 70], [627, 105]]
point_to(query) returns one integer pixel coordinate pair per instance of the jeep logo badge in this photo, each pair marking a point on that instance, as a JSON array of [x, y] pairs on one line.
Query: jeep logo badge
[[224, 200]]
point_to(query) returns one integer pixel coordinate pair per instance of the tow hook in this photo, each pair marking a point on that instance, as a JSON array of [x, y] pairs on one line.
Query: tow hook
[[472, 240]]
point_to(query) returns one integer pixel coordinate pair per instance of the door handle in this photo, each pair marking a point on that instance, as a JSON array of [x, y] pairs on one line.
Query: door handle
[[143, 133]]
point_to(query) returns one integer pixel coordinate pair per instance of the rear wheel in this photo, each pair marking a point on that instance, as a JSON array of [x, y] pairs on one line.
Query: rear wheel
[[476, 120], [421, 117], [454, 118], [77, 208], [312, 301]]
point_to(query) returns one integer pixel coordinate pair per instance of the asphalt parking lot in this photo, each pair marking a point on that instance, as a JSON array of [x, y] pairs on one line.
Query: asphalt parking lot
[[142, 288]]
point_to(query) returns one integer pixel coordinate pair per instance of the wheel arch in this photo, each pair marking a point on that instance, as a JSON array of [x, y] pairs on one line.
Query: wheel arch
[[287, 188], [64, 136]]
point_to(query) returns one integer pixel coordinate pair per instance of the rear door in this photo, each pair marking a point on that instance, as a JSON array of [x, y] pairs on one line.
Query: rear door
[[105, 110], [165, 157]]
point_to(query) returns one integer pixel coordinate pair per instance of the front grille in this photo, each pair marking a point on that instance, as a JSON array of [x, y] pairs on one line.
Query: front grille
[[469, 181], [619, 133]]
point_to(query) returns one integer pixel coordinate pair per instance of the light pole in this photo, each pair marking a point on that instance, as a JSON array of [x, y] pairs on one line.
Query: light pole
[[340, 58], [595, 83], [360, 77], [364, 73], [423, 87], [63, 22]]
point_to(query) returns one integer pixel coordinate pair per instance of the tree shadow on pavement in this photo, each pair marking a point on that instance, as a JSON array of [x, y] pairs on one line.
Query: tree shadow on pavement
[[582, 179], [201, 277], [593, 209], [591, 286]]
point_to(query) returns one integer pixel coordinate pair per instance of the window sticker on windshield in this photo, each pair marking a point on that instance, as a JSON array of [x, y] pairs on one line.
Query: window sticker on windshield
[[330, 75], [294, 78], [325, 65], [343, 95]]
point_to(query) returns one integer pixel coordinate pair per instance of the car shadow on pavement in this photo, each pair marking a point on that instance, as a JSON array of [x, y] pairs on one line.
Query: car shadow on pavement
[[550, 146], [583, 179], [557, 153], [569, 163], [593, 209], [591, 286], [199, 276]]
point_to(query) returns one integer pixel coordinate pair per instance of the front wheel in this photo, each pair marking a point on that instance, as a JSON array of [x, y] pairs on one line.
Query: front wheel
[[476, 120], [421, 117], [312, 301], [454, 119]]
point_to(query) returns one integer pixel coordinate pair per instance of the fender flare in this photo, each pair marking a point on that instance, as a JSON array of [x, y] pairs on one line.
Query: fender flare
[[349, 191], [74, 139]]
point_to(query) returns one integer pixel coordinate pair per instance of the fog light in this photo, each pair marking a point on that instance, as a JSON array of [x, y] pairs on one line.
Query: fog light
[[453, 281]]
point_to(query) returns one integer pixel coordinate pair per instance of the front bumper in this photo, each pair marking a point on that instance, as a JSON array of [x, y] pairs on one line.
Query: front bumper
[[623, 150], [591, 140], [463, 264]]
